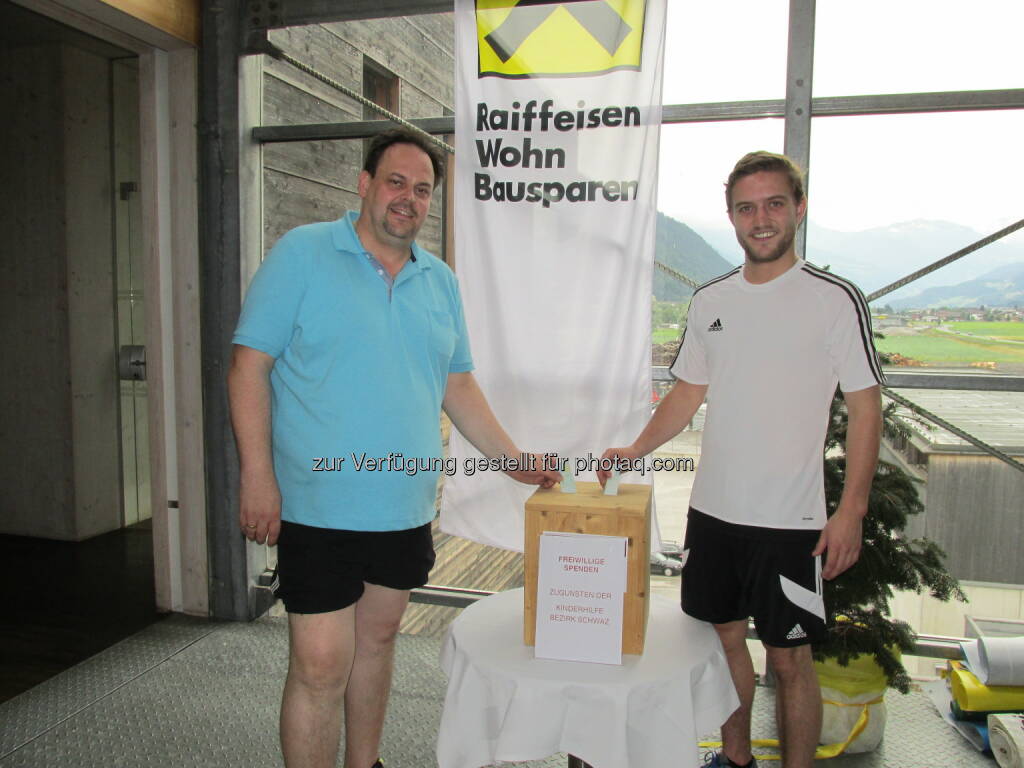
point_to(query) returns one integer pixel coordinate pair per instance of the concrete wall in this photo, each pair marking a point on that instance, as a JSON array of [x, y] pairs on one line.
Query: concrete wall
[[92, 301], [59, 455], [316, 180], [36, 470]]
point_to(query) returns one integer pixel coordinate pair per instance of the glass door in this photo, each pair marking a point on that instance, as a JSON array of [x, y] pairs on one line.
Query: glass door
[[131, 337]]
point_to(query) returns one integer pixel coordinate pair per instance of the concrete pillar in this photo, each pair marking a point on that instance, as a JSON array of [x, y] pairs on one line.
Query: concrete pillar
[[59, 443]]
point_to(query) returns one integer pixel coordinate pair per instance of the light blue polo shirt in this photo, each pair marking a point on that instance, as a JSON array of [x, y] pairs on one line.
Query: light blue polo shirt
[[360, 374]]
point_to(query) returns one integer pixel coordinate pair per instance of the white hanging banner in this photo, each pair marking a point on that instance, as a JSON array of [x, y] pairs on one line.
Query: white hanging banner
[[558, 113]]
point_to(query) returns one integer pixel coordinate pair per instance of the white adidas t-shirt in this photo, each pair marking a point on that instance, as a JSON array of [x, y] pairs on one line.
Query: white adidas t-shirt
[[771, 355]]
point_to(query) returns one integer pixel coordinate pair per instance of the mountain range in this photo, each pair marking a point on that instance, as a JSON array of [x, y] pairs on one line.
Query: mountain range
[[872, 258], [679, 247], [1002, 287]]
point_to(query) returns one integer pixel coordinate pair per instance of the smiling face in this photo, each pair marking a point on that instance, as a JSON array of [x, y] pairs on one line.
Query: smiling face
[[396, 198], [765, 216]]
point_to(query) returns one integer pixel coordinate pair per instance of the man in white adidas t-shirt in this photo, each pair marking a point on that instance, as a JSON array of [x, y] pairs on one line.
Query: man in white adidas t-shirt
[[766, 344]]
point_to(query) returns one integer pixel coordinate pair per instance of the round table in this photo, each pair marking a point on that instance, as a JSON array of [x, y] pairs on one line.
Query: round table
[[503, 704]]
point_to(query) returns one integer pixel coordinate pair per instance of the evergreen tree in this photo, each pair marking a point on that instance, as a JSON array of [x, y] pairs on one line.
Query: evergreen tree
[[858, 599]]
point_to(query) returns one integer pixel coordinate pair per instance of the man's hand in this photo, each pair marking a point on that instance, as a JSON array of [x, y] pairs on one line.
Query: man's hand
[[467, 407], [259, 505], [260, 508], [536, 472], [624, 454], [841, 537], [670, 418]]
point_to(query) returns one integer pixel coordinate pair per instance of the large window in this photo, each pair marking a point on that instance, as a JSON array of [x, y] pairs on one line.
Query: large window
[[888, 195], [915, 46], [696, 159], [733, 51], [892, 194]]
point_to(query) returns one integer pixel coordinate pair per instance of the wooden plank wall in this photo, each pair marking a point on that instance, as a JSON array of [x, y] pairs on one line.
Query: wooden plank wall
[[461, 563], [316, 180], [974, 513]]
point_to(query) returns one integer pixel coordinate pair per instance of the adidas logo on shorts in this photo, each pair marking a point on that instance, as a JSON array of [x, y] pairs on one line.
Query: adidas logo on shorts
[[796, 633], [716, 326]]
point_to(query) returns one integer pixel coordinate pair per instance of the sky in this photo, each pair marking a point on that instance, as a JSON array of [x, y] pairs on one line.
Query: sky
[[868, 171]]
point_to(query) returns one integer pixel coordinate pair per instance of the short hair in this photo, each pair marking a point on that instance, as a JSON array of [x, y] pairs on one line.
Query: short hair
[[380, 143], [755, 162]]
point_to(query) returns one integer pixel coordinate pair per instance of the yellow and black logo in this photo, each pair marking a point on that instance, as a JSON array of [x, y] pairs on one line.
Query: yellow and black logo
[[542, 38]]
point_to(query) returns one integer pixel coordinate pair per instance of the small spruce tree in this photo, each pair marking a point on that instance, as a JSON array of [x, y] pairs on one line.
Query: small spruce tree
[[858, 600]]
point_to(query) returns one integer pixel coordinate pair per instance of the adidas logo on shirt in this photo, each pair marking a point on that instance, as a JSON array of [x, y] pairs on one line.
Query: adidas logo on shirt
[[796, 633], [716, 326]]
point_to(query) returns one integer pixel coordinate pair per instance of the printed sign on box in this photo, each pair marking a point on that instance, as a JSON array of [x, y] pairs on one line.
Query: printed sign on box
[[580, 586]]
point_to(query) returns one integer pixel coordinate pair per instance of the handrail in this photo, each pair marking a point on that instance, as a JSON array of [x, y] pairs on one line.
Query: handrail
[[930, 646]]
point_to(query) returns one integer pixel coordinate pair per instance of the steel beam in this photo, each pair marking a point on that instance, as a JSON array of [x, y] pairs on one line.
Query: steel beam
[[849, 106], [840, 106], [719, 111], [362, 129], [672, 114], [799, 71], [904, 379], [912, 103], [449, 597], [231, 594], [269, 14], [970, 381], [932, 646]]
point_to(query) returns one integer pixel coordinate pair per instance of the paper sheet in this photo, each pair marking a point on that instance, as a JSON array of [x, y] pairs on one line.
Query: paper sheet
[[581, 582]]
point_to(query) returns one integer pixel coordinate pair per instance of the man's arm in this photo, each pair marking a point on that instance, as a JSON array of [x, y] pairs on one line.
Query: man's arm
[[842, 535], [466, 406], [249, 394], [669, 419]]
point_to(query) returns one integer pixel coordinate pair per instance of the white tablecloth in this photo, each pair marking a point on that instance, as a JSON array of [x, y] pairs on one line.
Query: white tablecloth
[[504, 705]]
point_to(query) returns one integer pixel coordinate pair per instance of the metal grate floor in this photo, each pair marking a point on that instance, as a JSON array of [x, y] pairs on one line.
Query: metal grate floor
[[189, 692]]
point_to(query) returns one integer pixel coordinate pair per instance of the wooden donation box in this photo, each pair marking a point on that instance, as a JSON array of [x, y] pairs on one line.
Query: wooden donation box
[[627, 514]]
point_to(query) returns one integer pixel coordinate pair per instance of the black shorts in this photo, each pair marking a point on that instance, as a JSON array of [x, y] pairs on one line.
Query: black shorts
[[323, 569], [734, 572]]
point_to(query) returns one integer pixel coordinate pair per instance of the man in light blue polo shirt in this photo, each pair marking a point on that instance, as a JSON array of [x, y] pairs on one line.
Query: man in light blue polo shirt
[[350, 342]]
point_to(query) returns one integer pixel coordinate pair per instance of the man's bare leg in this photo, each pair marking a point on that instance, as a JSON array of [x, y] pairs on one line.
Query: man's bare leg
[[378, 614], [736, 730], [798, 698], [320, 656]]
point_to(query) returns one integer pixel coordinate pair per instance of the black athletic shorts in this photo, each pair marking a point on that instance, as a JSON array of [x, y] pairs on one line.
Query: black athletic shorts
[[323, 569], [734, 572]]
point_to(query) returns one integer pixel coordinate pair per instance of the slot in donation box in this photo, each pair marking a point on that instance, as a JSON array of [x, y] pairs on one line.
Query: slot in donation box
[[589, 511]]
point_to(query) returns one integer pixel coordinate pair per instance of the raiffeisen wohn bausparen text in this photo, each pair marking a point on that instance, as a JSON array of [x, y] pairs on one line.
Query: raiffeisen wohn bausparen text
[[544, 117]]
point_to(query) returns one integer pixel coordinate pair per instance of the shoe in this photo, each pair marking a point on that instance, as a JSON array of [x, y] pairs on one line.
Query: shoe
[[719, 760], [378, 764]]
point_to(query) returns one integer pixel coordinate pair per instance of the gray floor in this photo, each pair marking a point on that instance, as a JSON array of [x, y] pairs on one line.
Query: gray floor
[[186, 692]]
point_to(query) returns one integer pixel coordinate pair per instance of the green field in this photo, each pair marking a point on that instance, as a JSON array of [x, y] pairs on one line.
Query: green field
[[662, 335], [993, 330], [937, 348]]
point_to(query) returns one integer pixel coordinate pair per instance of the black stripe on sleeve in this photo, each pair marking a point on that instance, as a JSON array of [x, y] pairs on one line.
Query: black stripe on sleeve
[[860, 305]]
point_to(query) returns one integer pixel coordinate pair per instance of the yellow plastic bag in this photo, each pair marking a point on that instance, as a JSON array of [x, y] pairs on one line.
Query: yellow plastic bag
[[853, 707]]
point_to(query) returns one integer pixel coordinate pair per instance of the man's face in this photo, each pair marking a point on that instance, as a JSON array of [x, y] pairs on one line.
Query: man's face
[[765, 215], [396, 199]]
